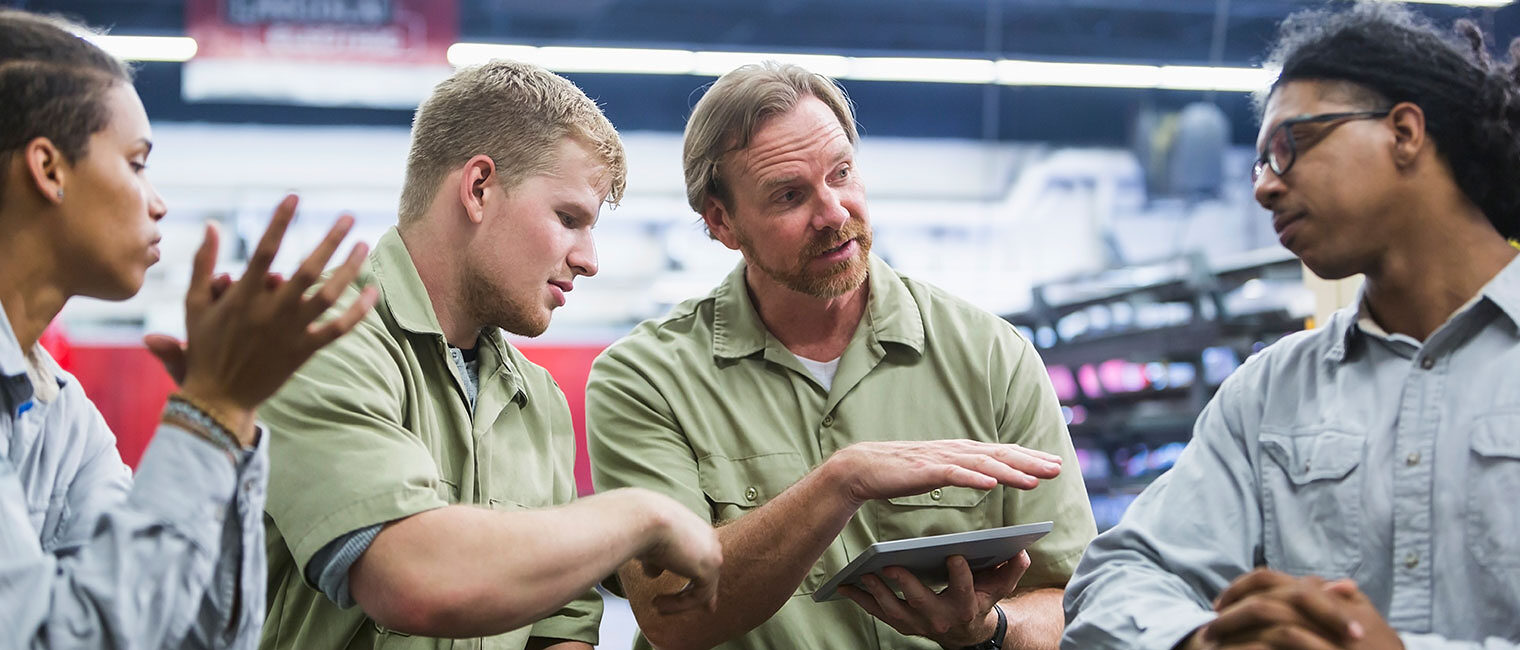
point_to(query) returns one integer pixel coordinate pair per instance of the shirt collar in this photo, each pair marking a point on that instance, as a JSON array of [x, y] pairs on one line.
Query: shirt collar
[[12, 358], [406, 299], [15, 386], [18, 374], [401, 288], [1503, 291], [892, 313]]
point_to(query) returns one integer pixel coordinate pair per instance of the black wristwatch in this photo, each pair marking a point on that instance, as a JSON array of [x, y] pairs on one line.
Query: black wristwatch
[[996, 642]]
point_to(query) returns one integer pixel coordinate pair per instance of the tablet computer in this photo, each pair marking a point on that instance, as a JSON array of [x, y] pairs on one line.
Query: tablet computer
[[926, 556]]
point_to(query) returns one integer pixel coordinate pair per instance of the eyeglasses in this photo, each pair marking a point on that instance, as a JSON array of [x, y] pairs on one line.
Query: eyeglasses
[[1282, 148]]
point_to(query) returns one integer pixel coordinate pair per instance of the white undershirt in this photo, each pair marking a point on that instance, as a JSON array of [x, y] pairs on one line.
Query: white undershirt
[[823, 371]]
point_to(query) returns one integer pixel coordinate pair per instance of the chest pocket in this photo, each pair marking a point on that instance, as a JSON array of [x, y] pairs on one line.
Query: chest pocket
[[936, 512], [392, 640], [1493, 529], [736, 486], [1312, 501], [387, 639]]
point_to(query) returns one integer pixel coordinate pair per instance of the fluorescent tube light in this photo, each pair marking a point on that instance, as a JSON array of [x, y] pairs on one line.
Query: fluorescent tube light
[[463, 54], [607, 60], [1187, 77], [1462, 3], [1100, 75], [1008, 72], [716, 64], [145, 48], [966, 71], [613, 60]]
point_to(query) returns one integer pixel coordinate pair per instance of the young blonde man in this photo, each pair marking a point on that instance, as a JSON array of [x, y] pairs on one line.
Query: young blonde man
[[433, 486]]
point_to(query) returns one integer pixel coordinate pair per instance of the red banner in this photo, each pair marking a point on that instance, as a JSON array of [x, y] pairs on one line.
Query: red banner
[[328, 31], [371, 53]]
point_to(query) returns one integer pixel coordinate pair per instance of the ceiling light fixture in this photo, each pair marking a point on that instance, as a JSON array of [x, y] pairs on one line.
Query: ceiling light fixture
[[1461, 3], [1007, 72], [175, 49]]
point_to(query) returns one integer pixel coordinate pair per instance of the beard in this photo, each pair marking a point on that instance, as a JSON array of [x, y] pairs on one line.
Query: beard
[[836, 280], [498, 308]]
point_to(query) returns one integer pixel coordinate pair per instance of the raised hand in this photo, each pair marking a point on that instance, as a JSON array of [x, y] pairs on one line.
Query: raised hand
[[245, 338], [882, 470]]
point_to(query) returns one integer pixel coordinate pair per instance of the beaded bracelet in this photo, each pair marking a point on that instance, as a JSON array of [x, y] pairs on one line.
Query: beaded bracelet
[[181, 411], [215, 415]]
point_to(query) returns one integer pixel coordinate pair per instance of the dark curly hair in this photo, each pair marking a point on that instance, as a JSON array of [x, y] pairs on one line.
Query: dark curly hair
[[1386, 54], [52, 85]]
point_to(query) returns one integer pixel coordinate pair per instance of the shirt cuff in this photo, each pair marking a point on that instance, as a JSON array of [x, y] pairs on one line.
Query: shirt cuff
[[253, 467], [1163, 630], [328, 569], [580, 620], [186, 480], [565, 631]]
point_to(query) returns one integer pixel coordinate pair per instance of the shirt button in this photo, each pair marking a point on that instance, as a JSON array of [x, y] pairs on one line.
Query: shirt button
[[936, 493], [1412, 560], [1412, 459], [828, 420], [751, 493], [1428, 363]]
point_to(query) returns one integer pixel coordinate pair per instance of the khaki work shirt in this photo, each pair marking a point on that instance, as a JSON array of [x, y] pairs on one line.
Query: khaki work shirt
[[706, 406], [376, 428]]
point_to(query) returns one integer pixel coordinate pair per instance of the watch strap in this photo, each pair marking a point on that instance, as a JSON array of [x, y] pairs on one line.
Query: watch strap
[[996, 642]]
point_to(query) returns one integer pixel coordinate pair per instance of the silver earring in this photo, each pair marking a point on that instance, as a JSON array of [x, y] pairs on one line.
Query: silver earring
[[60, 194]]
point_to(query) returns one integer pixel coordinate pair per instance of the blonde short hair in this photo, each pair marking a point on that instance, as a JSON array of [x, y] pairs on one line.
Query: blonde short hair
[[726, 118], [515, 113]]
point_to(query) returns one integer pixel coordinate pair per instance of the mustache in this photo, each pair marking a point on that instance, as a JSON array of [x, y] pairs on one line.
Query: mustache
[[852, 229]]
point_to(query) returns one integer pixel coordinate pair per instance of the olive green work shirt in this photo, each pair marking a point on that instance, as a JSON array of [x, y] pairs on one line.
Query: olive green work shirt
[[376, 427], [705, 405]]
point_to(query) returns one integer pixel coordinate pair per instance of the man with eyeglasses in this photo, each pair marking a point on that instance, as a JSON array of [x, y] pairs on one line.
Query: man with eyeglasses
[[1350, 486]]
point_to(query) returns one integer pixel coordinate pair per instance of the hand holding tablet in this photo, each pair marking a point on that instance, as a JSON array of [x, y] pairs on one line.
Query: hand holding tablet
[[926, 556]]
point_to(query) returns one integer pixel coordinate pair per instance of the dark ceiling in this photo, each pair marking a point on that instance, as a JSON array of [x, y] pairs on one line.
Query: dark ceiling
[[1148, 31]]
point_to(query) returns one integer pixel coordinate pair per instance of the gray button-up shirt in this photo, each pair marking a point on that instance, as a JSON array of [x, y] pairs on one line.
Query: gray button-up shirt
[[90, 558], [1338, 452]]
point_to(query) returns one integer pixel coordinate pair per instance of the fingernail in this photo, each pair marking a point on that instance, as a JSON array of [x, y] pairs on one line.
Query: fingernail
[[1355, 629]]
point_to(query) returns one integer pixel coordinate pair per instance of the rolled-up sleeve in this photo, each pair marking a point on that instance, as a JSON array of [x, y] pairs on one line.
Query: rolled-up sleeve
[[160, 563], [344, 460], [631, 434], [1031, 417], [1147, 583]]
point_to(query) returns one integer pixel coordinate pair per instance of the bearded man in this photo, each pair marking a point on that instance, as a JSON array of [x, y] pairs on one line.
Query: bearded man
[[817, 402]]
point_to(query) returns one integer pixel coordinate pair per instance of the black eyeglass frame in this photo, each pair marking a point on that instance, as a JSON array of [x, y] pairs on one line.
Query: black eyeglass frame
[[1268, 159]]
